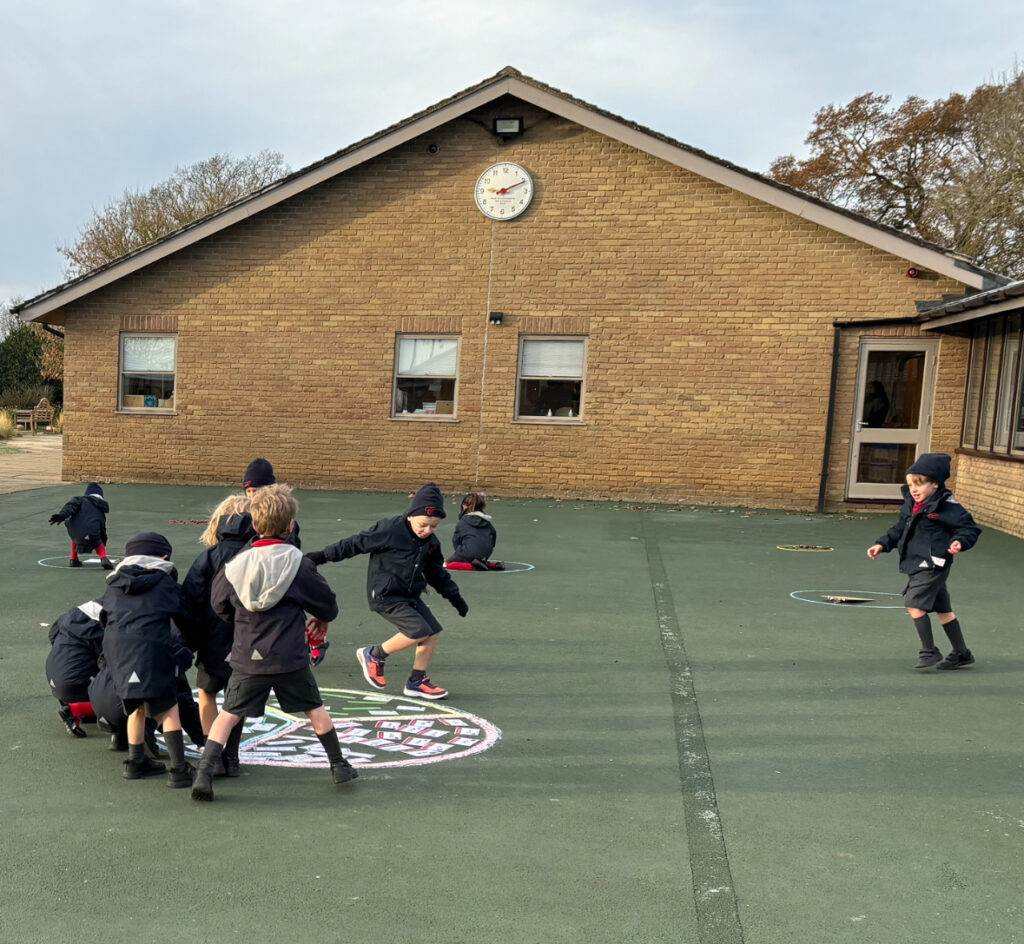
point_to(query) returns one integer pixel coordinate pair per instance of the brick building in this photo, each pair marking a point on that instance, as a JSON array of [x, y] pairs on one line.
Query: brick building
[[518, 291]]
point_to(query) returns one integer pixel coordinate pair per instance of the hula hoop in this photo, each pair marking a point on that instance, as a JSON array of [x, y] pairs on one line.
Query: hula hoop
[[93, 562], [511, 567], [874, 594]]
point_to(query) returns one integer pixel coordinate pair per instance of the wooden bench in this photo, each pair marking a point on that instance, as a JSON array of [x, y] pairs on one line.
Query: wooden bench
[[40, 414]]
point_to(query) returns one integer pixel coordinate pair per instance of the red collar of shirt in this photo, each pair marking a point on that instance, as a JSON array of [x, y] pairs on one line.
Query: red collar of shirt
[[264, 542]]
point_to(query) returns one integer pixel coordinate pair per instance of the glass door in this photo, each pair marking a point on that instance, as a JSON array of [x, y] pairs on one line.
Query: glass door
[[892, 414]]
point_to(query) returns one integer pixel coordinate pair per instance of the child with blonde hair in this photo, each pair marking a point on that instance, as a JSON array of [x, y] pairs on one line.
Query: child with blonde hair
[[228, 532]]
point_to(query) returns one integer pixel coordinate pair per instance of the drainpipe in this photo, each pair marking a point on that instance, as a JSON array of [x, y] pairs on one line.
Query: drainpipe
[[830, 421]]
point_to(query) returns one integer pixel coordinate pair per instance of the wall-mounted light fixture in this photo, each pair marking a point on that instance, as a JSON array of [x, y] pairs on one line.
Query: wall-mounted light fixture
[[508, 127], [496, 317]]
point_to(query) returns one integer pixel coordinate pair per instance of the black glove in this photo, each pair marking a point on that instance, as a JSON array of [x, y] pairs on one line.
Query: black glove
[[317, 557], [55, 519], [461, 605]]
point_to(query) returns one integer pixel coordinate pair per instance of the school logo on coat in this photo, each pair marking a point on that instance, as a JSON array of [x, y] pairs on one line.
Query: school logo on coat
[[375, 730]]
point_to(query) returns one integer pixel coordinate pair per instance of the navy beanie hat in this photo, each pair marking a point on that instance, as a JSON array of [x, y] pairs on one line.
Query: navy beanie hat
[[93, 489], [934, 465], [149, 544], [427, 501], [258, 473]]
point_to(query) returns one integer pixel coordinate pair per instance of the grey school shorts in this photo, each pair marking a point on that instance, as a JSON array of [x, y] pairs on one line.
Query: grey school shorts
[[927, 591], [412, 618], [154, 706], [246, 695]]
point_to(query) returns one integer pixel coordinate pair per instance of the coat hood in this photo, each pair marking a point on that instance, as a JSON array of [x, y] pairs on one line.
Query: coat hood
[[262, 574], [139, 573], [469, 516], [235, 528]]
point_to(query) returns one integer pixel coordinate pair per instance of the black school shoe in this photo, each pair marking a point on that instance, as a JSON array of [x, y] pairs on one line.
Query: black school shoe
[[926, 658], [73, 725], [137, 769], [178, 777], [957, 660], [343, 772]]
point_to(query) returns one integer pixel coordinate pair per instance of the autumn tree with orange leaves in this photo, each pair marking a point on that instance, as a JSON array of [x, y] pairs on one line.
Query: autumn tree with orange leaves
[[949, 171]]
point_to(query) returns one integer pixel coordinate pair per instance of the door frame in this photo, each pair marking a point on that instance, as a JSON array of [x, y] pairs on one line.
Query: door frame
[[919, 437]]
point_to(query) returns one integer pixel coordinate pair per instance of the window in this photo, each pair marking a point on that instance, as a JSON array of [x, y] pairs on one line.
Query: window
[[147, 372], [550, 379], [425, 373], [994, 411]]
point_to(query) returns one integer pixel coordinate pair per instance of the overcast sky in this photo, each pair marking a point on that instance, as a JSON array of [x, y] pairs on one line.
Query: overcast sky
[[97, 96]]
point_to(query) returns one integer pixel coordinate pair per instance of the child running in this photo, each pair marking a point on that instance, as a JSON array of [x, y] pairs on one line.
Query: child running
[[932, 528], [265, 591], [405, 556]]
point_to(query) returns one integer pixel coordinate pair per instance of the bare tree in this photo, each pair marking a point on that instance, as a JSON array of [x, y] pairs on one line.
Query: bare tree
[[192, 192]]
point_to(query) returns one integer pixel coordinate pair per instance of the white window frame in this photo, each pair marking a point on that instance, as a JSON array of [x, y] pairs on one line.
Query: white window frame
[[577, 417], [397, 374], [161, 408]]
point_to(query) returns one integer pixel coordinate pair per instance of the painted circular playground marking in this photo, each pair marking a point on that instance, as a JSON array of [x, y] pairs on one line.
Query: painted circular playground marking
[[804, 547], [375, 730], [61, 563], [511, 567], [858, 599]]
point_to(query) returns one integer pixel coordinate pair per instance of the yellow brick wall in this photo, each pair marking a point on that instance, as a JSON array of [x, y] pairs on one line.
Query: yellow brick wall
[[708, 317], [993, 491]]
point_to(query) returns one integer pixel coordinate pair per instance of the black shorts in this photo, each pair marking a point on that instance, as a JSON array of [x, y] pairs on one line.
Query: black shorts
[[210, 682], [927, 591], [154, 706], [412, 618], [246, 695]]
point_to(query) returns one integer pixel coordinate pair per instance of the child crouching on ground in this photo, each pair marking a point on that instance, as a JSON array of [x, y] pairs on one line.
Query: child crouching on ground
[[474, 537], [85, 518], [141, 651], [265, 591], [932, 528]]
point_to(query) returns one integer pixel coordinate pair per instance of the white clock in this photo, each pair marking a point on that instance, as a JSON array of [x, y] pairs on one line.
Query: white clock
[[503, 191]]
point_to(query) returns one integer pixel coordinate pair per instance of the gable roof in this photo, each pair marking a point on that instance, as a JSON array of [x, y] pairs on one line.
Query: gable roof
[[510, 81]]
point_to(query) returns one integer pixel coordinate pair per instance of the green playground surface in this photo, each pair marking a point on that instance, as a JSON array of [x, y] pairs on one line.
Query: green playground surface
[[695, 746]]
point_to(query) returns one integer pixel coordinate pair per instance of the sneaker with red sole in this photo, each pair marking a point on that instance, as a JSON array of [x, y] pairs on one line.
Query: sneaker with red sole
[[373, 669], [424, 688]]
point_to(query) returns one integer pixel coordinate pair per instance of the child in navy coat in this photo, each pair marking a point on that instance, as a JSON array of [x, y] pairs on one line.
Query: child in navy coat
[[932, 529], [76, 641], [142, 651], [405, 557], [85, 517], [474, 537]]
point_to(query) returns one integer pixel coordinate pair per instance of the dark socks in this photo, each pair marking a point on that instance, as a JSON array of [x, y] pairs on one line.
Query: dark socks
[[417, 675], [135, 753], [377, 652], [332, 747], [175, 742], [956, 636], [923, 625]]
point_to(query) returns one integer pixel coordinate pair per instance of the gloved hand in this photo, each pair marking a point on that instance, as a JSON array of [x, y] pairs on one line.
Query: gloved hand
[[317, 557], [55, 519], [461, 605]]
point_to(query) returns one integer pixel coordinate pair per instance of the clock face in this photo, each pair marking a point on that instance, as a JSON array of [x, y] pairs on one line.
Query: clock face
[[503, 191]]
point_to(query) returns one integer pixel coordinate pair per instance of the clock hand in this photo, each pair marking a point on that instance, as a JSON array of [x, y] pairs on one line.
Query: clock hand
[[506, 189]]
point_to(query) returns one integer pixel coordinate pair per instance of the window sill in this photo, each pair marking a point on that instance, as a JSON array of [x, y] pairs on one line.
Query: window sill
[[550, 420], [146, 411], [425, 418], [985, 454]]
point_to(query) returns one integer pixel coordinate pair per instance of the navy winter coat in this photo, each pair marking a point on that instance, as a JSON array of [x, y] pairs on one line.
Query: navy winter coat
[[204, 631], [85, 517], [266, 592], [923, 539], [139, 644], [401, 564], [474, 537], [76, 641]]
